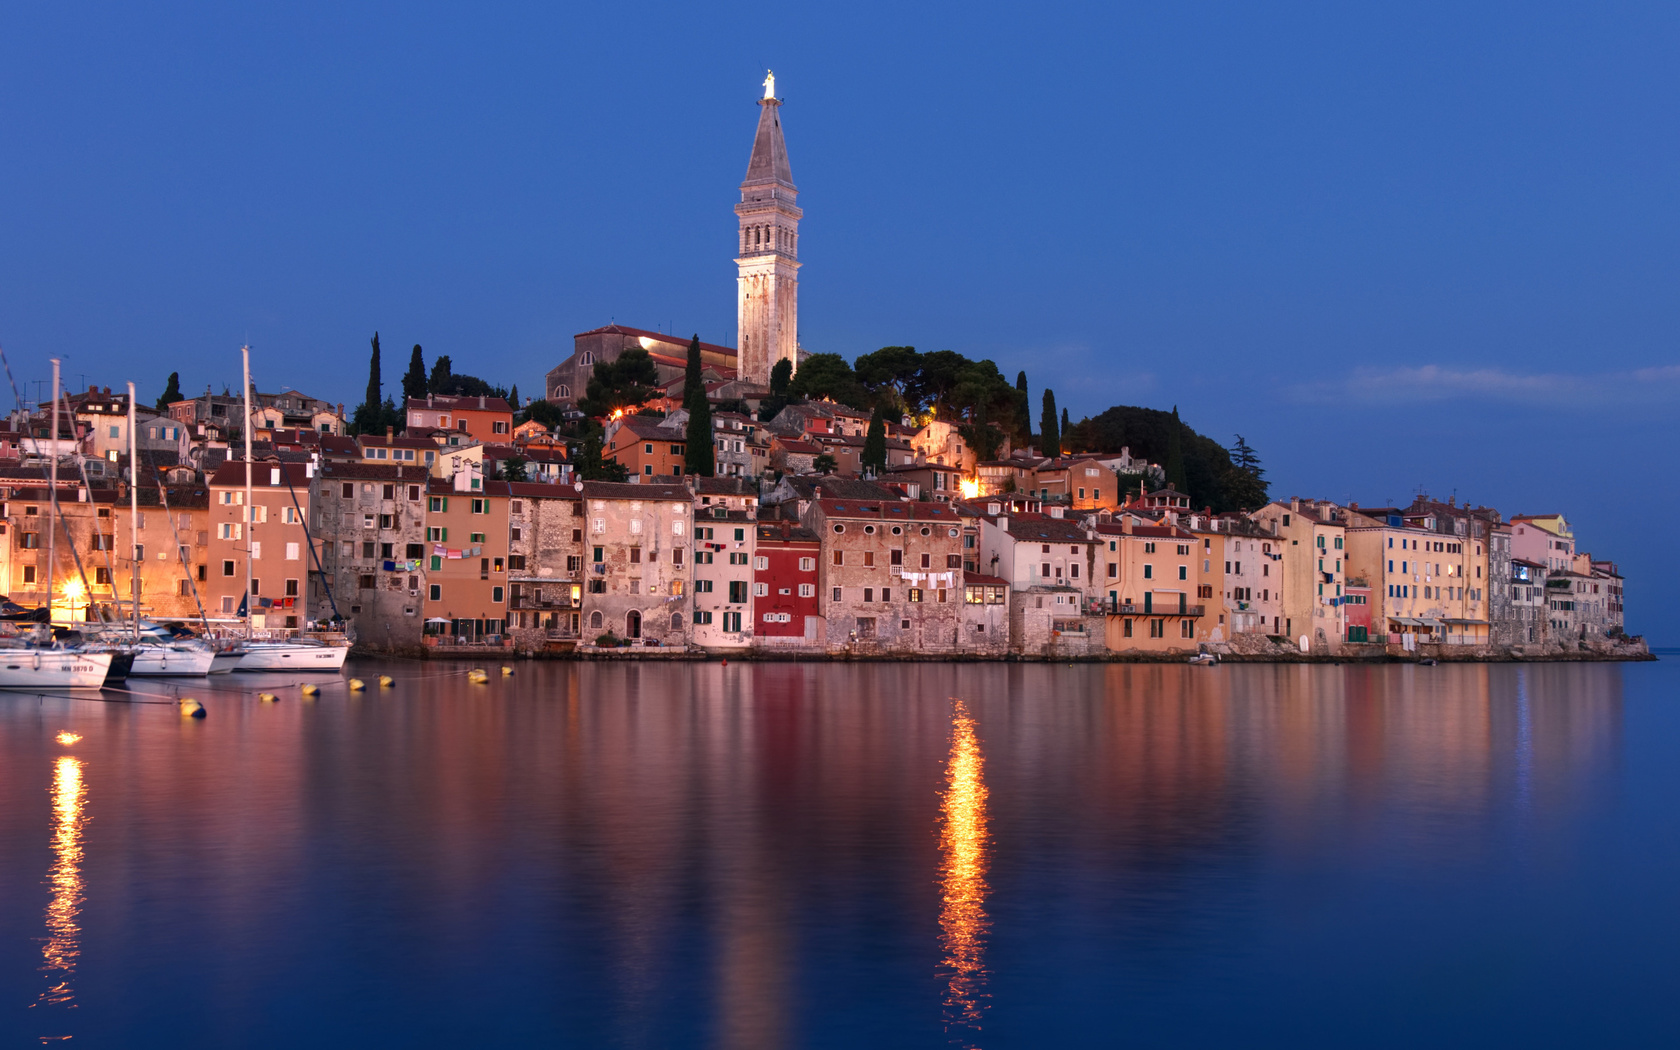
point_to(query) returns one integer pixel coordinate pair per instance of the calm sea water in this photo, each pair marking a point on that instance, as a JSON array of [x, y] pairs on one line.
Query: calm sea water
[[852, 855]]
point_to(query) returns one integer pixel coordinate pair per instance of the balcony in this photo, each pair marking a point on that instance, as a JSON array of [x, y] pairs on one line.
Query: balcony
[[1115, 608]]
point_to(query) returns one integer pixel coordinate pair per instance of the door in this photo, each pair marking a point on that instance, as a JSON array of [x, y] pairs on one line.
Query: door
[[633, 625]]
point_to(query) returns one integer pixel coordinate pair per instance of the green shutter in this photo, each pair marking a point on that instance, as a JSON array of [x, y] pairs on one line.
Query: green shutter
[[437, 561], [446, 535]]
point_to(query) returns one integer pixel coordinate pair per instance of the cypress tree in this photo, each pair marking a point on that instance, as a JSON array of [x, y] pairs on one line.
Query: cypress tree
[[441, 375], [414, 380], [698, 454], [874, 456], [1023, 411], [692, 382], [1067, 431], [1049, 435], [513, 397], [370, 414], [171, 393], [1175, 454]]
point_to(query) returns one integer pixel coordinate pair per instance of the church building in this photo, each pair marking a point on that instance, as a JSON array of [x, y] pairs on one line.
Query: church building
[[767, 287]]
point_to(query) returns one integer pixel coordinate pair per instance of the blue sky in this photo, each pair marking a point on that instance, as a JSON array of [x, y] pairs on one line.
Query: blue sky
[[1395, 246]]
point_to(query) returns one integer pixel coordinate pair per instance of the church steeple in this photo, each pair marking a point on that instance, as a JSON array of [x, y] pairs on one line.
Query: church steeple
[[768, 262]]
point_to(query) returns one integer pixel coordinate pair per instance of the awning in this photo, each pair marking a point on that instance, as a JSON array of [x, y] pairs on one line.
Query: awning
[[1405, 621], [1470, 623], [1430, 621]]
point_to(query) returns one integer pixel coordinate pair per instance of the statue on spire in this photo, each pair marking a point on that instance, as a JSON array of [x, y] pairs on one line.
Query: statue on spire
[[769, 83]]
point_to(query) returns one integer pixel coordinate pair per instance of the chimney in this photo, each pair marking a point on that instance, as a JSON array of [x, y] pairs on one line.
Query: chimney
[[1126, 524], [1295, 504], [816, 493], [785, 527], [390, 433], [1003, 522], [481, 401]]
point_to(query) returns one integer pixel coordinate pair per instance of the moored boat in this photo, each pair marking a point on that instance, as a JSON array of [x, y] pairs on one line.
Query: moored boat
[[299, 655], [32, 667]]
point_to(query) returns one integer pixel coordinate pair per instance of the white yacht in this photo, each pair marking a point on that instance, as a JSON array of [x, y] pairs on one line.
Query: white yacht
[[300, 655], [33, 667]]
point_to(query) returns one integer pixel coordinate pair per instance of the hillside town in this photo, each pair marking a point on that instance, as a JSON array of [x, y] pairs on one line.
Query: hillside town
[[419, 541], [670, 496]]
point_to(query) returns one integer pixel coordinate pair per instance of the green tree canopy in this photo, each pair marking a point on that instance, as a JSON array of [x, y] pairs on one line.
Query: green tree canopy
[[1209, 476], [829, 376], [699, 452], [628, 380], [888, 372], [171, 393], [414, 380], [874, 457], [692, 383], [1023, 411]]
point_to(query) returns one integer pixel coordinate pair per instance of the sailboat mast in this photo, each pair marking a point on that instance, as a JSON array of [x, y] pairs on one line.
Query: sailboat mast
[[250, 518], [52, 495], [134, 506]]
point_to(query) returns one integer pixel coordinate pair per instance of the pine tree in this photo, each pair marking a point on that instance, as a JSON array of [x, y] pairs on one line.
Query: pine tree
[[698, 454], [171, 393], [1049, 436], [874, 458], [414, 380], [1023, 411], [1175, 454], [692, 382], [441, 375]]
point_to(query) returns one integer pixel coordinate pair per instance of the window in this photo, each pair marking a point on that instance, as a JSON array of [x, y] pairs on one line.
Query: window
[[366, 581], [868, 559], [807, 590], [761, 562], [839, 557], [807, 565], [437, 504], [230, 530], [737, 591], [702, 586], [435, 592], [291, 588], [1149, 572], [915, 594], [227, 568], [732, 622], [367, 549], [834, 595], [740, 558], [1184, 572], [496, 594], [102, 576], [700, 616], [1186, 628]]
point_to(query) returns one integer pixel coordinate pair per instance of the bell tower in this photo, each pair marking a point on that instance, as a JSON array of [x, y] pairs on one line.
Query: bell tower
[[767, 266]]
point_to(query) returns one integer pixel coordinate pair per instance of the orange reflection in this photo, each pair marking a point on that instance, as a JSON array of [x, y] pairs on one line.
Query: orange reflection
[[63, 943], [962, 848]]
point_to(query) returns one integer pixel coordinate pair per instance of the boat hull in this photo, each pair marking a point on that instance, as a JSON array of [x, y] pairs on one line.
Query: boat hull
[[159, 660], [226, 660], [288, 656], [53, 669]]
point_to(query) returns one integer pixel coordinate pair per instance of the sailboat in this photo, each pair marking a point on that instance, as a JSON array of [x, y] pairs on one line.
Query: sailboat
[[32, 657], [275, 654]]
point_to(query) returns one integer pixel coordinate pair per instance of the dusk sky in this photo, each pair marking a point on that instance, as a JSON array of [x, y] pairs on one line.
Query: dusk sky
[[1395, 246]]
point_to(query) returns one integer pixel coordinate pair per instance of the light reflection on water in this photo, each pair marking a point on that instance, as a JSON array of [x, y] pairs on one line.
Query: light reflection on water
[[962, 848], [783, 854], [62, 946]]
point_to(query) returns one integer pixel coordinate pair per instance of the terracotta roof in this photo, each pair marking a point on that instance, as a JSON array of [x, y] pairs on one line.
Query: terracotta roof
[[232, 474], [643, 333], [451, 403], [887, 509], [622, 490], [976, 579], [362, 469]]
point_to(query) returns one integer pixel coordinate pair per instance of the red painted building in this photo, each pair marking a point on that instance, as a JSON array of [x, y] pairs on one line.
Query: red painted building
[[785, 605], [1357, 597]]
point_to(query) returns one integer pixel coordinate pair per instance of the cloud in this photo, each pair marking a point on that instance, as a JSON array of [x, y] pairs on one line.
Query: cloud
[[1435, 383]]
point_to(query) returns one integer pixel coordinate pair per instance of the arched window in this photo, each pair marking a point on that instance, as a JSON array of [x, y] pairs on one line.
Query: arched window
[[587, 358], [595, 621], [564, 391]]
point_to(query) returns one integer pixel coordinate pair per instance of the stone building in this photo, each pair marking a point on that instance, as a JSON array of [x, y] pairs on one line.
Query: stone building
[[768, 264], [1313, 538], [545, 565], [1050, 565], [1252, 590], [370, 518], [891, 575], [636, 547]]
